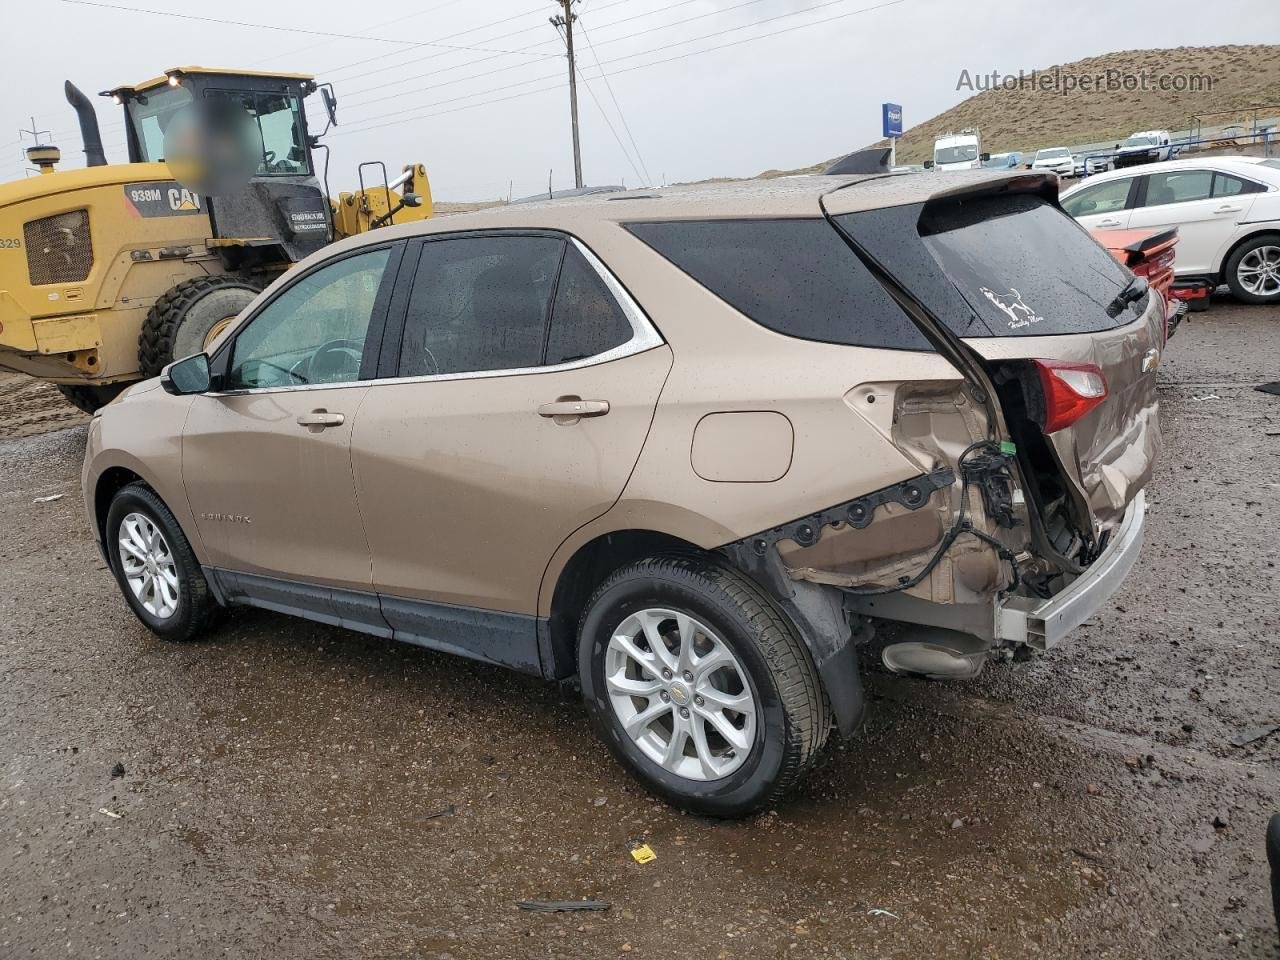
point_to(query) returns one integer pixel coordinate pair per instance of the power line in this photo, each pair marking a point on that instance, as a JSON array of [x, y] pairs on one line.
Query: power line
[[617, 106], [284, 29], [483, 26], [641, 53], [734, 43], [376, 26], [612, 23]]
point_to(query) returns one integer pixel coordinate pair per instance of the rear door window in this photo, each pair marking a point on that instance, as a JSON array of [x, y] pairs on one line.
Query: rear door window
[[1178, 186], [479, 303], [1003, 265], [796, 276]]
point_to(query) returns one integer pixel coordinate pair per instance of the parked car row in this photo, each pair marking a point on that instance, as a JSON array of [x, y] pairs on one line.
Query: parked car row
[[1226, 209]]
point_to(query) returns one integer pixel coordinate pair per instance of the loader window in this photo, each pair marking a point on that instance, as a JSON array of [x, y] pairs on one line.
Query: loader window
[[150, 115], [277, 119]]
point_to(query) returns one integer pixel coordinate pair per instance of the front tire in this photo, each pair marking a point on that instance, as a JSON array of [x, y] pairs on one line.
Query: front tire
[[699, 685], [155, 567], [186, 319], [1253, 271], [90, 399]]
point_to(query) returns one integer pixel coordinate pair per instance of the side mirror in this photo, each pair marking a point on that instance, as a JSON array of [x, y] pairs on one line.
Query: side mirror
[[928, 164], [188, 375], [330, 104], [985, 157]]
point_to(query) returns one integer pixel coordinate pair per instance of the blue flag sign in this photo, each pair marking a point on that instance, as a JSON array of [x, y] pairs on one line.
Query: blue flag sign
[[892, 115]]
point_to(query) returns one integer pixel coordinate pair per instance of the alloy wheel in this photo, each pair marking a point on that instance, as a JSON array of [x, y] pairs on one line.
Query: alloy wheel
[[148, 565], [680, 694], [1259, 271]]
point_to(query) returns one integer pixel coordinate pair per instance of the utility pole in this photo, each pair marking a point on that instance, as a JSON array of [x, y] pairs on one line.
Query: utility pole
[[565, 20]]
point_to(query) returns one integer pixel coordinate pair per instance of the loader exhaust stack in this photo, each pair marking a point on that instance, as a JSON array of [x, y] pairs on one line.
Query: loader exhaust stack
[[93, 153]]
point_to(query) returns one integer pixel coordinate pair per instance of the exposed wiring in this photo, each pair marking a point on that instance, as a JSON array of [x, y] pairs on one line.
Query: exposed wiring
[[961, 527]]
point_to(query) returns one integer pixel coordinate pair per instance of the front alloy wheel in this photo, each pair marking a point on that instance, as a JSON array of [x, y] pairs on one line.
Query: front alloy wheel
[[680, 694], [148, 566]]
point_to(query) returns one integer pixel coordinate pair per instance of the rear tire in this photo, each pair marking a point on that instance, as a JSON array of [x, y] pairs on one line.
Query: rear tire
[[179, 323], [183, 607], [90, 399], [703, 604], [1253, 271]]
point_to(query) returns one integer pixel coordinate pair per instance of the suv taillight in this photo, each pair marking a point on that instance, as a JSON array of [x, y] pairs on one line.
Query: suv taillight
[[1070, 391]]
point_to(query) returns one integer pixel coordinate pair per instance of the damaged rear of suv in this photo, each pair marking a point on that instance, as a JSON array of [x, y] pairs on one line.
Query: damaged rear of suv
[[1016, 412], [685, 449]]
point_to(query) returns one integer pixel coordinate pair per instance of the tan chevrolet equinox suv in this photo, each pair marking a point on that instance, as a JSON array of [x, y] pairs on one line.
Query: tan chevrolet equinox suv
[[685, 448]]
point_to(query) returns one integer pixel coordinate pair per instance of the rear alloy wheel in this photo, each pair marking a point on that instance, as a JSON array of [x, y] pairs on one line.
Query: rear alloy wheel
[[699, 685], [1253, 272]]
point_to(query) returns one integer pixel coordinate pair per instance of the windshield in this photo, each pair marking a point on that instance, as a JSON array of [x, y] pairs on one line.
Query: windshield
[[966, 151], [1052, 153], [1140, 142], [150, 114]]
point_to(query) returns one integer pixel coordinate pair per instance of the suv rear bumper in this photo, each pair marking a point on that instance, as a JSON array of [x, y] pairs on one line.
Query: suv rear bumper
[[1042, 623]]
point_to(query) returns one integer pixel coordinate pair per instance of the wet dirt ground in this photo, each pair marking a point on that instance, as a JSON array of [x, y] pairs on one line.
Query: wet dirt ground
[[290, 790]]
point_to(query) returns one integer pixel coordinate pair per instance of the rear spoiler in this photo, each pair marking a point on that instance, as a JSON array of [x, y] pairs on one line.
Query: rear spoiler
[[881, 191]]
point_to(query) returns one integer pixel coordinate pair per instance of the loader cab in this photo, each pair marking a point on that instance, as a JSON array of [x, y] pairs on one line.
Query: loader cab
[[276, 211]]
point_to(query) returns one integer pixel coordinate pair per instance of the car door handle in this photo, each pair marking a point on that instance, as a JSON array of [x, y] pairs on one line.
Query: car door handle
[[1108, 223], [1228, 210], [573, 407], [321, 419]]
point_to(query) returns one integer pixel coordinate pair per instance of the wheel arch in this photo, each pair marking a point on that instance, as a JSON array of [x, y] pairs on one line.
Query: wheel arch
[[1221, 273], [576, 579], [815, 611]]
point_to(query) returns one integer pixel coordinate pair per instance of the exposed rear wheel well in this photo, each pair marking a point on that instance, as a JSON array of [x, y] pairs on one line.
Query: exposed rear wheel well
[[112, 481], [585, 571]]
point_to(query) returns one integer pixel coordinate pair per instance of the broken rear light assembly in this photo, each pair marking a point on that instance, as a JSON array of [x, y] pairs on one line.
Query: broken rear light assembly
[[1070, 391]]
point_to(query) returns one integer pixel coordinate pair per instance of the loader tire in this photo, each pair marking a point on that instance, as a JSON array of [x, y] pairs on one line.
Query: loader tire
[[180, 322], [91, 399]]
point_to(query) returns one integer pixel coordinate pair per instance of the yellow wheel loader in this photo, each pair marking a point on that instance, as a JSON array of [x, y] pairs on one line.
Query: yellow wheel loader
[[108, 273]]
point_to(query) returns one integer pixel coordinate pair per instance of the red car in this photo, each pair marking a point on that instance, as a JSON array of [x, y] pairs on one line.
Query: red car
[[1150, 254]]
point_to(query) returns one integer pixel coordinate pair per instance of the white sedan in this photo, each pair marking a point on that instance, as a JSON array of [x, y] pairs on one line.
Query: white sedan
[[1226, 209]]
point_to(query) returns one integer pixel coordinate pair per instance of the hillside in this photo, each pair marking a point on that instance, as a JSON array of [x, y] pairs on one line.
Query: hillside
[[1024, 119]]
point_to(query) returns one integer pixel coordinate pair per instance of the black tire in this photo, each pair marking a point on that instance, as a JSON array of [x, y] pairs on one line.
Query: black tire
[[179, 322], [91, 399], [196, 608], [793, 717], [1231, 270]]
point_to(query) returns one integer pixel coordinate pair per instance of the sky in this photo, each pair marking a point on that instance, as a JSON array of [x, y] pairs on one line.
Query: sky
[[671, 90]]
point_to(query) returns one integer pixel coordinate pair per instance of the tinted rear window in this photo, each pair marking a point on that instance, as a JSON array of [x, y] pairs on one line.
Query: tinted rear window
[[996, 266], [797, 277]]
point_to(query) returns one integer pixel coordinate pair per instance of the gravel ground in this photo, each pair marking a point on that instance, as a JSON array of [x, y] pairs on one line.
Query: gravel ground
[[289, 790]]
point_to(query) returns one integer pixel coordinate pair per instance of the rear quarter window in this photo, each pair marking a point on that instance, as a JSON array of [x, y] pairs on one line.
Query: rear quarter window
[[797, 277]]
